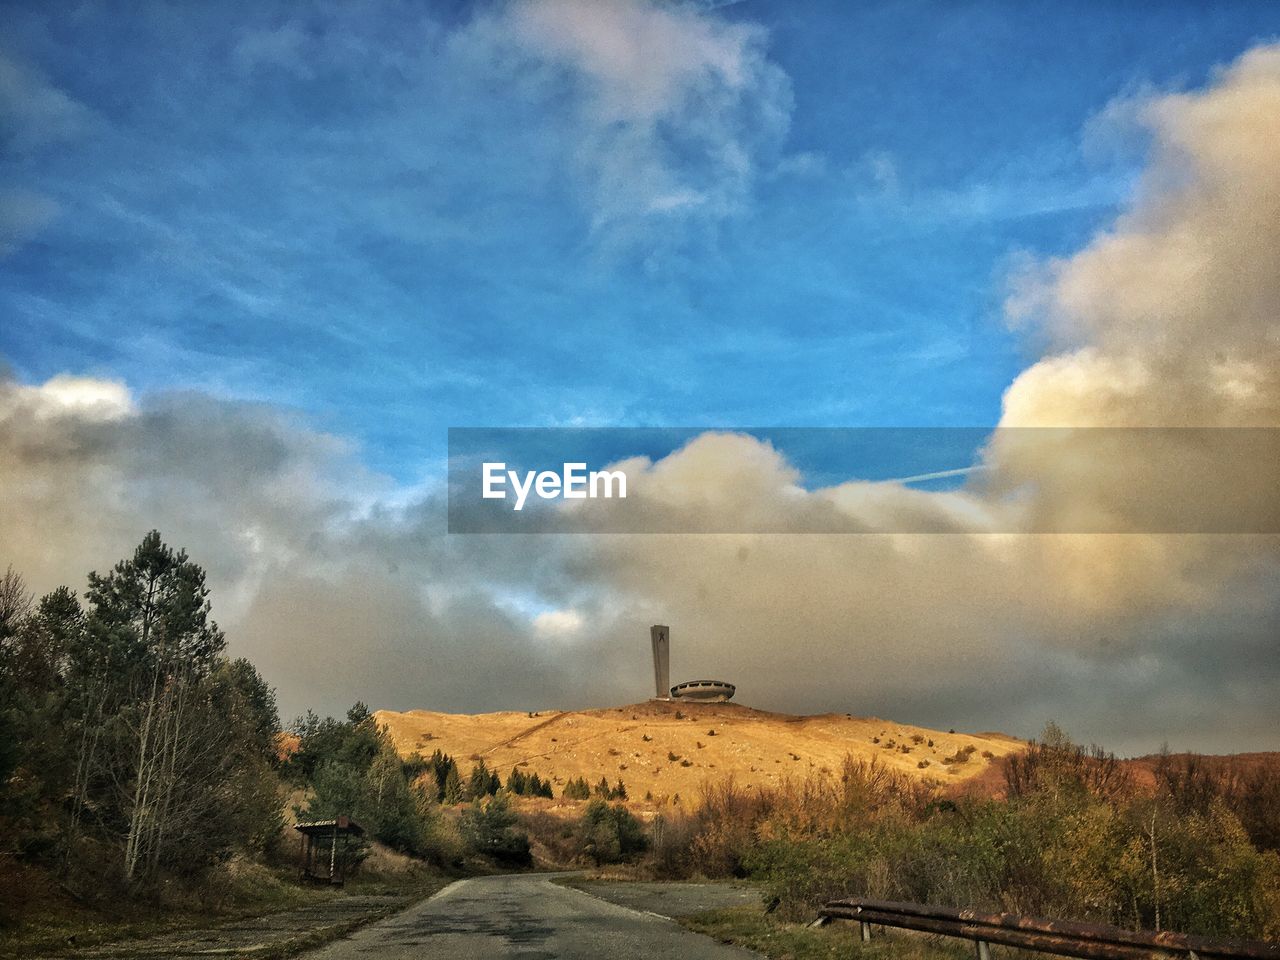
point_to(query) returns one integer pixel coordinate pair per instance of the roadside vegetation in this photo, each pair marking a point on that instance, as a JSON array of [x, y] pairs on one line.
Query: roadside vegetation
[[145, 782], [753, 928], [135, 751], [1074, 838]]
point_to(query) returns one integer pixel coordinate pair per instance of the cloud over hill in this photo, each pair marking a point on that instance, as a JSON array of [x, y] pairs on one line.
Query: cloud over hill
[[340, 585]]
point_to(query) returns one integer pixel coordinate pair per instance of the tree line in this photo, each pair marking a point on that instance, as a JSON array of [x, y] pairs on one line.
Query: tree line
[[132, 745], [133, 749], [577, 788]]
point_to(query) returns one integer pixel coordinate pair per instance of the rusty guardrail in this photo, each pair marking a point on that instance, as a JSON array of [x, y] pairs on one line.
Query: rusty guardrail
[[1086, 940]]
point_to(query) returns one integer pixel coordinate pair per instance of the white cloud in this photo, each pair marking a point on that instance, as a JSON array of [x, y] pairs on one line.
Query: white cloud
[[23, 214], [285, 46], [88, 398], [557, 624], [33, 111], [34, 114], [673, 110], [1168, 317]]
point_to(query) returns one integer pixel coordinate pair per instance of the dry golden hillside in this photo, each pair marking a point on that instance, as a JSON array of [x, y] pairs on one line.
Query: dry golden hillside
[[672, 748]]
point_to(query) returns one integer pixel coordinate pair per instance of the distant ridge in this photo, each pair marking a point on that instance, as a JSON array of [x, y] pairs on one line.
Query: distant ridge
[[665, 748]]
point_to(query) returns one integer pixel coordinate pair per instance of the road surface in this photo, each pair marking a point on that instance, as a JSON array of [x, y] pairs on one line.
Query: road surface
[[529, 917]]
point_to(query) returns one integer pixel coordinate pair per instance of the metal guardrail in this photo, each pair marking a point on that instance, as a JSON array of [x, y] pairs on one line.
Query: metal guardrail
[[1086, 940]]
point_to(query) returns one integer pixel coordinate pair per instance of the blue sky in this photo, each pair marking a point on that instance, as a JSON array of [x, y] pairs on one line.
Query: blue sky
[[256, 259], [395, 218]]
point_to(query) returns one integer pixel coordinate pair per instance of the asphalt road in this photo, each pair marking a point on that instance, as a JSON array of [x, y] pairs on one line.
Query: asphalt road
[[528, 917]]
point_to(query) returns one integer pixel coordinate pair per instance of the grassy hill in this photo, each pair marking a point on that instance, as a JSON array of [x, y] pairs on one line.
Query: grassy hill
[[672, 748]]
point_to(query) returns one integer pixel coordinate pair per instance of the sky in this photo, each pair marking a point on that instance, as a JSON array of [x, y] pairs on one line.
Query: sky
[[256, 259]]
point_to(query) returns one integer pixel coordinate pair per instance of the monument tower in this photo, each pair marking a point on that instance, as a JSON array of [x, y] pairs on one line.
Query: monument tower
[[661, 637], [707, 691]]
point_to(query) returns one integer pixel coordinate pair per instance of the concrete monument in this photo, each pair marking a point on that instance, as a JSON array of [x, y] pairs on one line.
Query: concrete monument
[[705, 690], [660, 636]]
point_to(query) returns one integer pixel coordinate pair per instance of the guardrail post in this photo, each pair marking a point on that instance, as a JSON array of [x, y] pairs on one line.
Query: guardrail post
[[866, 931], [984, 949]]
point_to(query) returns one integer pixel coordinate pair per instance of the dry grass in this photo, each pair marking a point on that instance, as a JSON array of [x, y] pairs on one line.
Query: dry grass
[[41, 918], [755, 747], [754, 929]]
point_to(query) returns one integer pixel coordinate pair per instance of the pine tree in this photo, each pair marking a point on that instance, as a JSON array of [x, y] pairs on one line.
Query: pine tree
[[452, 793], [440, 764], [517, 782], [478, 784], [34, 736], [535, 787], [603, 789], [619, 792], [152, 611]]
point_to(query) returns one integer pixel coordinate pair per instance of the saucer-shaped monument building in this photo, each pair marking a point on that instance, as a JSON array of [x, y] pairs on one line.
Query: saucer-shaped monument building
[[707, 691]]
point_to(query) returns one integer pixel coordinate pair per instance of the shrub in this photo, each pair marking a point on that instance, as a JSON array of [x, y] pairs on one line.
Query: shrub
[[610, 834], [1055, 763], [1067, 843], [488, 827], [1193, 783], [672, 837], [722, 830], [382, 795]]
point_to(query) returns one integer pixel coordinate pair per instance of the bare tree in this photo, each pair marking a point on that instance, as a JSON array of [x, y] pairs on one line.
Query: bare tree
[[1056, 763], [15, 602]]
